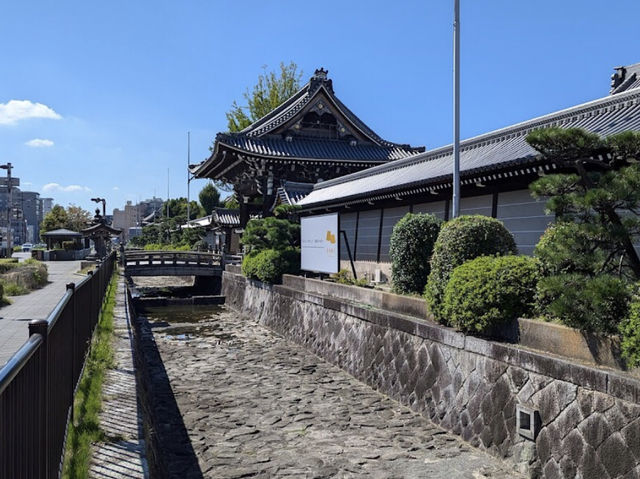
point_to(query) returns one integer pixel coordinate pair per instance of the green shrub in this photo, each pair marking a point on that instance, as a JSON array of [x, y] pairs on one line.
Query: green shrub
[[462, 239], [567, 247], [595, 304], [410, 251], [17, 249], [14, 289], [6, 266], [69, 245], [269, 265], [344, 277], [490, 290], [201, 245], [630, 334]]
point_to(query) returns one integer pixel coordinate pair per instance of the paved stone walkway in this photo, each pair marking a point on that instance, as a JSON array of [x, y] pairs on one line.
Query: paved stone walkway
[[255, 405], [124, 455], [35, 305]]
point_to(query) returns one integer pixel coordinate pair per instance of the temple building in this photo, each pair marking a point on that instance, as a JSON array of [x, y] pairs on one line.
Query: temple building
[[496, 170], [311, 137]]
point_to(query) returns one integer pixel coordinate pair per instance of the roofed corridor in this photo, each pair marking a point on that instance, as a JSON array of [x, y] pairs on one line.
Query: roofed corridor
[[256, 405]]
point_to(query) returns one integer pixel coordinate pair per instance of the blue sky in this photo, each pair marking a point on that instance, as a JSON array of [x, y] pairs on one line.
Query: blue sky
[[120, 83]]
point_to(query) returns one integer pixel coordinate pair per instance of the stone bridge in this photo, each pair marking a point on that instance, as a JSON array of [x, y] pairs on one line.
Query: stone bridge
[[172, 263]]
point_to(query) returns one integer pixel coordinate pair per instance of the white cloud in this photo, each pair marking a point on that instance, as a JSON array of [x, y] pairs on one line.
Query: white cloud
[[15, 110], [49, 187], [39, 143], [115, 188]]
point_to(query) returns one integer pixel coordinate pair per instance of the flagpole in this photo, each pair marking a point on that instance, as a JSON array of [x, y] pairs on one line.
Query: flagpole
[[456, 109]]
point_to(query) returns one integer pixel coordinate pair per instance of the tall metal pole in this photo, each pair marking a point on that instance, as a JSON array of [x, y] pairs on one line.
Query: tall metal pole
[[167, 193], [456, 109], [188, 180], [9, 208]]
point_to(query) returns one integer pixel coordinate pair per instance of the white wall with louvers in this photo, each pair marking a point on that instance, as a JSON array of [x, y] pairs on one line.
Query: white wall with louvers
[[524, 216]]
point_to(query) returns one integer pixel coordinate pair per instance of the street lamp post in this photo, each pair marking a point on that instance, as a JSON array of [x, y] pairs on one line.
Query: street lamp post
[[104, 207], [9, 207]]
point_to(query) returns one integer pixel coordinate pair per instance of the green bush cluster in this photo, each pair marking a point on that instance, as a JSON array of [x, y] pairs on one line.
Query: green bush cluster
[[344, 277], [567, 247], [270, 233], [272, 249], [630, 333], [490, 290], [269, 265], [410, 250], [591, 303], [462, 239]]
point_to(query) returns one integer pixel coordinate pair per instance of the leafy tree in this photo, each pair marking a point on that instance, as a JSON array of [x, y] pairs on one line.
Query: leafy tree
[[77, 218], [602, 197], [55, 219], [178, 210], [270, 92], [209, 198], [270, 233], [231, 202]]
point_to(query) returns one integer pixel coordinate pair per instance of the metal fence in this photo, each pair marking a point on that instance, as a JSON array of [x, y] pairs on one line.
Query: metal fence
[[38, 383]]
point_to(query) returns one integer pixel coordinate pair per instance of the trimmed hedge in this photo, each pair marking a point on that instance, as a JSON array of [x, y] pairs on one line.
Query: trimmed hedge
[[490, 290], [269, 265], [630, 333], [595, 304], [462, 239], [410, 251]]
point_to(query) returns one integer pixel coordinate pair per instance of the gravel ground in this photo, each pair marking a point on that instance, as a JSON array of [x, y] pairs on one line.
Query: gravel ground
[[256, 405]]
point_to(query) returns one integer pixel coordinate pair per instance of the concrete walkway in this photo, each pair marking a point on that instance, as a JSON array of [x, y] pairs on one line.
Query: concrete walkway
[[35, 305], [123, 455]]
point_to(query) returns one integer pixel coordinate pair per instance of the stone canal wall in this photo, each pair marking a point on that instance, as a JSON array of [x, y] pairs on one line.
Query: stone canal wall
[[589, 419]]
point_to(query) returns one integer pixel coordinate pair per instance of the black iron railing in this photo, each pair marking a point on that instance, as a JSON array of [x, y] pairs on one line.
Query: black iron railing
[[38, 383]]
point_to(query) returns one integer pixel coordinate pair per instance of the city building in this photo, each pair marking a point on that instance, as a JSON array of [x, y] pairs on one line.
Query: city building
[[133, 216], [27, 212]]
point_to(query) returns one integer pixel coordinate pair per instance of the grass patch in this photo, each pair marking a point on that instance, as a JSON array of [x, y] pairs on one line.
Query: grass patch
[[85, 428], [15, 289]]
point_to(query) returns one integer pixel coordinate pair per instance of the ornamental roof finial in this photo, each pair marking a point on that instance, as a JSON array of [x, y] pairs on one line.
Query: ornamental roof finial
[[320, 74]]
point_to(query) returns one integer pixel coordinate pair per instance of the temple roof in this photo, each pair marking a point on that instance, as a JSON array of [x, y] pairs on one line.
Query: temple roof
[[101, 228], [62, 232], [625, 78], [292, 192], [312, 125], [482, 158]]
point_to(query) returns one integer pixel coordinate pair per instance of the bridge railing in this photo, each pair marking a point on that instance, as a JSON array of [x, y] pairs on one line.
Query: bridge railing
[[38, 383], [182, 258]]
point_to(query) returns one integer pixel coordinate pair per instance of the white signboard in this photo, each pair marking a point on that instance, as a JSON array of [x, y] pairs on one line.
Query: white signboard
[[319, 240]]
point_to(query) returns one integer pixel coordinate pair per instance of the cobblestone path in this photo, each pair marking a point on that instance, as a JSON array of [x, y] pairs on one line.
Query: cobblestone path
[[255, 405]]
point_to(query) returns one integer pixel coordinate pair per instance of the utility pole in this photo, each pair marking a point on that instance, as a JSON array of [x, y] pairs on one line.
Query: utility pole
[[456, 109], [167, 193]]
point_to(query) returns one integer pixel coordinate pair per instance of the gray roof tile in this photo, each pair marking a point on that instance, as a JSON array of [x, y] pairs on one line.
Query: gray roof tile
[[490, 151]]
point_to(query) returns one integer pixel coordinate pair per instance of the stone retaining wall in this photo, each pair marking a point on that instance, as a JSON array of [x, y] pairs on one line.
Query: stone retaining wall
[[590, 418]]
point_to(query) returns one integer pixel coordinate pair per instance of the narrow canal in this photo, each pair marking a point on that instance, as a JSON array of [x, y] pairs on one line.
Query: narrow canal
[[255, 405]]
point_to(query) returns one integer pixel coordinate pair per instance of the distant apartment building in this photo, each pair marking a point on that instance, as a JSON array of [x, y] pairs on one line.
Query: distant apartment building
[[27, 212], [132, 216], [47, 205]]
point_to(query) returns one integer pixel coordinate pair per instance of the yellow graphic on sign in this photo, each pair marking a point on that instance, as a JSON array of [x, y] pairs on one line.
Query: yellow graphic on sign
[[331, 238]]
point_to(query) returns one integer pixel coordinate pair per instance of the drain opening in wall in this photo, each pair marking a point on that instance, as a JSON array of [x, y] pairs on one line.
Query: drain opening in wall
[[527, 421]]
